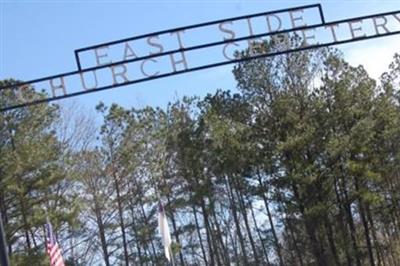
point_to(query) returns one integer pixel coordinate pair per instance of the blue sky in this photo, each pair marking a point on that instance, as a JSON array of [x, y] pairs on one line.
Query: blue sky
[[37, 38]]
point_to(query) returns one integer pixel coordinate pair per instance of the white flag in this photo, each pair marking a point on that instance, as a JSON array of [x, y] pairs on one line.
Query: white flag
[[164, 231]]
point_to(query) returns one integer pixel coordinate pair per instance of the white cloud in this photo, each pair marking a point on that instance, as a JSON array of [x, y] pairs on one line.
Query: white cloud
[[374, 55]]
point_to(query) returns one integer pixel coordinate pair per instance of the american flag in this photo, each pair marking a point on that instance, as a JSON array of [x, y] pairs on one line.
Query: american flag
[[52, 248]]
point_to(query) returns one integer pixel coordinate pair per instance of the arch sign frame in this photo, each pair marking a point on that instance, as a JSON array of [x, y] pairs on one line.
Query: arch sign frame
[[103, 72]]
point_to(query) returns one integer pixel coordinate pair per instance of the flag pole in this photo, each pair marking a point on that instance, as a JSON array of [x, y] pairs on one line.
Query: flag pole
[[3, 245]]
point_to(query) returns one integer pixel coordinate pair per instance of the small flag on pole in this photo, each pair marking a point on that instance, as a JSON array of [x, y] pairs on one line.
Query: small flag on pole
[[164, 231], [52, 248]]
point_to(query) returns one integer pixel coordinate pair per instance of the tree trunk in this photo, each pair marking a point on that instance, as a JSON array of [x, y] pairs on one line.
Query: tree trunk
[[176, 233], [102, 234], [224, 252], [349, 217], [236, 220], [246, 223], [342, 226], [25, 226], [374, 237], [121, 217], [271, 223], [310, 227], [199, 234], [365, 223], [331, 241], [208, 232], [135, 233], [259, 234]]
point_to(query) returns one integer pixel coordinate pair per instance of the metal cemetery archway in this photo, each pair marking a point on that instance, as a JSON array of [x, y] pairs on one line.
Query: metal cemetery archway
[[117, 73], [96, 71]]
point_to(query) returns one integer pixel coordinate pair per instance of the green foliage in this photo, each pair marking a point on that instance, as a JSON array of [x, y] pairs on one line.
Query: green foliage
[[301, 167], [33, 177]]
